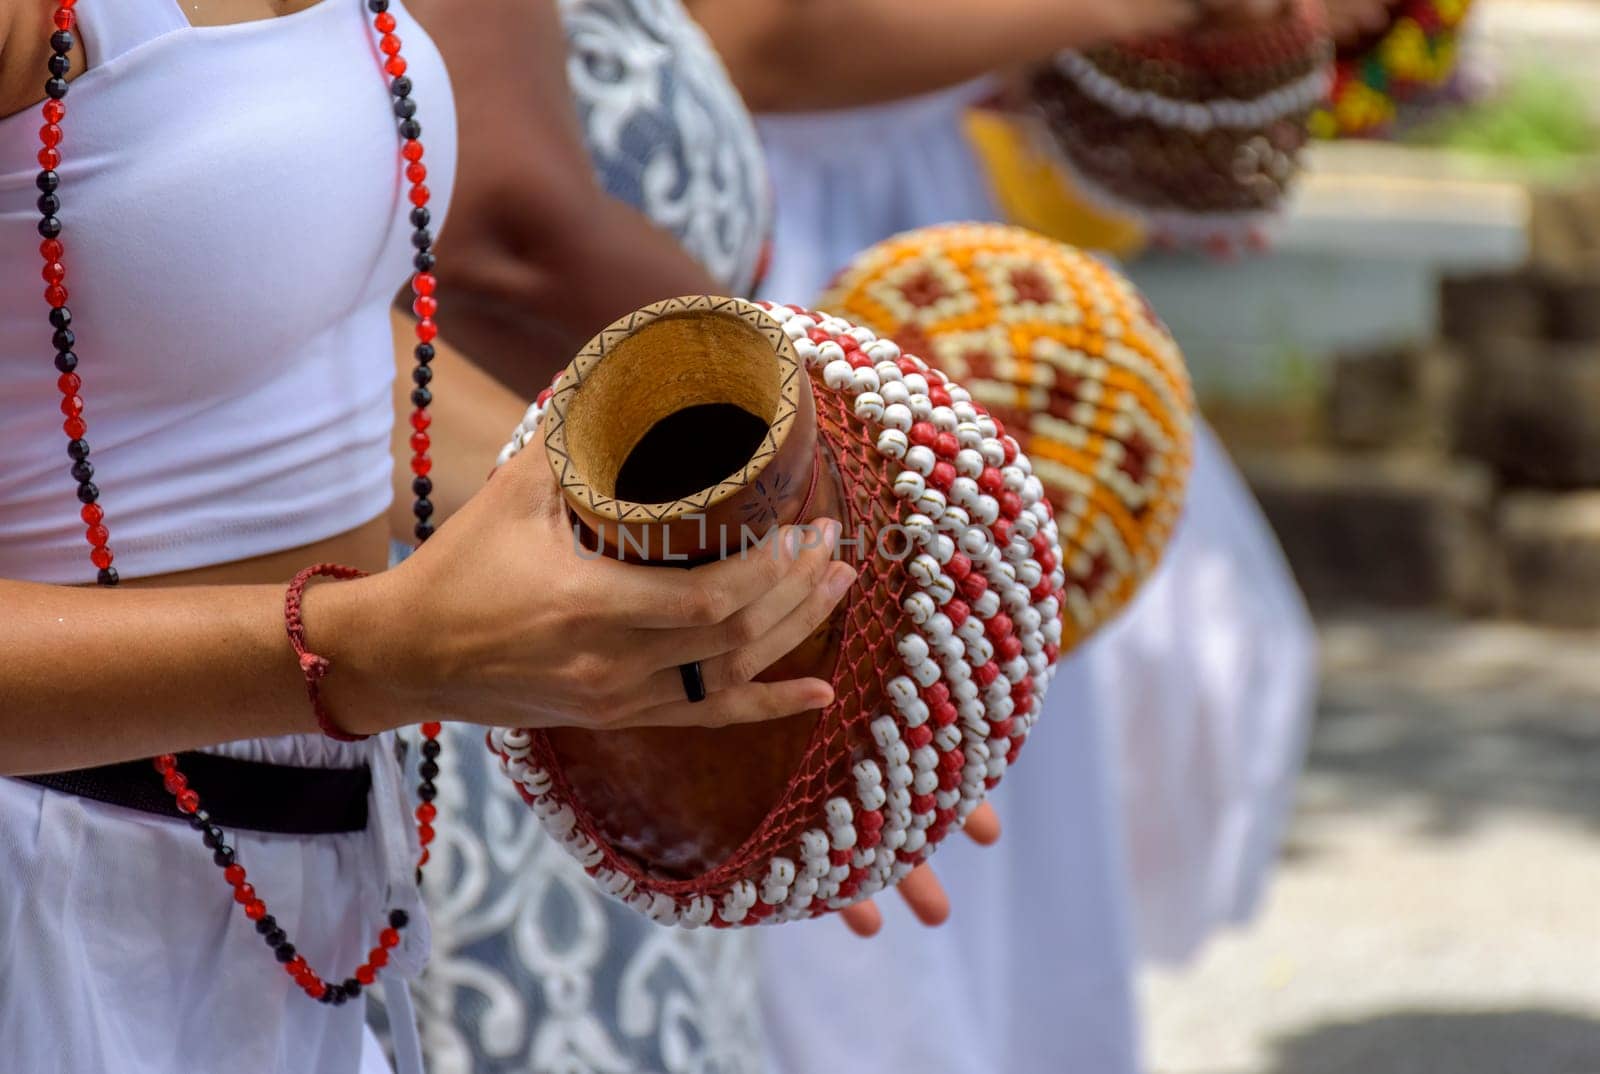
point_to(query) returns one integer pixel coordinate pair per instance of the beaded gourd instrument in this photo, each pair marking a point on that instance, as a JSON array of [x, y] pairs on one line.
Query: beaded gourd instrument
[[1064, 350], [1196, 136], [1406, 61], [940, 654]]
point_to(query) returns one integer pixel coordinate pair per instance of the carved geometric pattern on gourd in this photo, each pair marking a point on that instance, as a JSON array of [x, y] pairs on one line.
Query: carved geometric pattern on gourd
[[949, 644], [1068, 353]]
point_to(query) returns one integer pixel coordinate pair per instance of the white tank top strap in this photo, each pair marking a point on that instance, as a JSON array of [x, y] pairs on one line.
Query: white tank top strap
[[111, 28]]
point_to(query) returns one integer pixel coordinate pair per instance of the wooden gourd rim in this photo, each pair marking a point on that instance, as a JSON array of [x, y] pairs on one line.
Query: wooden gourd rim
[[579, 488]]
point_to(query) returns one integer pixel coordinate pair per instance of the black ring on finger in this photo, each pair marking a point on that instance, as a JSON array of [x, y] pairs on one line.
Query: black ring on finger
[[694, 682]]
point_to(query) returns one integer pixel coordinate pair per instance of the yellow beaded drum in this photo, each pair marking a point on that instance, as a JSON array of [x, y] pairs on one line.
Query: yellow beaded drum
[[1070, 357]]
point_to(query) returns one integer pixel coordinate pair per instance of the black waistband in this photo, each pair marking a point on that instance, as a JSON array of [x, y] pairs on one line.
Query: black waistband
[[258, 797]]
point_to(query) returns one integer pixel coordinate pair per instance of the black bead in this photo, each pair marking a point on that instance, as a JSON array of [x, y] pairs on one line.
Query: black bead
[[63, 340], [87, 492], [59, 64], [338, 996], [421, 486], [351, 987], [55, 89], [424, 261], [423, 508], [410, 129], [266, 924], [401, 87], [83, 471], [399, 919], [108, 576], [430, 748], [424, 353], [200, 819], [66, 361], [405, 107], [61, 42], [428, 770], [377, 7], [423, 531], [50, 227], [275, 936], [78, 450], [421, 376], [224, 856], [47, 181], [421, 238], [421, 397], [212, 837], [49, 204], [419, 876], [420, 216], [284, 952], [60, 317], [427, 792]]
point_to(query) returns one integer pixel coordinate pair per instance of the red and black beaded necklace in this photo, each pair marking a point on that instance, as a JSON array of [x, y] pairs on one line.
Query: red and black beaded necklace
[[424, 305]]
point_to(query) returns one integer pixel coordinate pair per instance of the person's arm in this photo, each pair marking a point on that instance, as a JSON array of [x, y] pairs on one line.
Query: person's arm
[[496, 620], [534, 257]]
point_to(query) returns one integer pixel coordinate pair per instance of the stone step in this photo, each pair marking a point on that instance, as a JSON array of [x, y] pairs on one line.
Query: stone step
[[1531, 410], [1550, 558], [1396, 397]]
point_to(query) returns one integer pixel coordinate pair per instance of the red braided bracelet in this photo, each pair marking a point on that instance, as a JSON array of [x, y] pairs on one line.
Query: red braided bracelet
[[314, 667]]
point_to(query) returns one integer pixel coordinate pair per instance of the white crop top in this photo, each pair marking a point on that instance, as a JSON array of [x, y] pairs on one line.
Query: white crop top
[[236, 227]]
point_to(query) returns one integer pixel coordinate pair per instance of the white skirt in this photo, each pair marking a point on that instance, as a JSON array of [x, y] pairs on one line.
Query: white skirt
[[122, 949]]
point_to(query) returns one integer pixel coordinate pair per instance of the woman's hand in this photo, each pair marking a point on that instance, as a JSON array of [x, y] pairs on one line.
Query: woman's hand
[[921, 889], [498, 620]]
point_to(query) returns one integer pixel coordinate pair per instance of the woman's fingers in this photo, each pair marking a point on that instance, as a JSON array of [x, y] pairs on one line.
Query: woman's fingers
[[925, 895], [983, 826], [753, 702], [654, 598], [863, 918]]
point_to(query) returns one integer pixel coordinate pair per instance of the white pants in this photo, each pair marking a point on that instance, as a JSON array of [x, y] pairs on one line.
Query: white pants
[[122, 950]]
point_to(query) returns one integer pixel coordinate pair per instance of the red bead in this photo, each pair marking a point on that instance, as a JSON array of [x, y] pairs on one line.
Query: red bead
[[165, 762], [416, 172], [424, 283], [959, 566], [64, 18], [50, 249], [918, 737], [957, 611], [907, 366], [316, 990], [378, 957], [50, 135], [938, 395], [244, 894], [411, 149], [389, 938], [425, 306], [53, 272], [174, 781], [923, 803], [419, 195], [92, 516], [1009, 648], [1047, 562], [49, 158], [54, 111], [384, 22], [952, 761], [999, 427], [389, 44], [234, 874], [974, 586], [924, 434], [101, 557], [425, 834], [1010, 504], [424, 859], [1009, 446], [432, 730], [420, 442], [396, 66], [75, 427], [296, 967], [72, 406], [998, 627], [68, 383], [256, 910], [55, 295], [839, 857], [420, 465], [366, 974], [188, 801], [1052, 653], [858, 359], [1001, 728], [943, 476], [870, 821], [1041, 592], [427, 331], [991, 482], [937, 694], [421, 419], [985, 674], [1002, 531], [946, 445], [944, 715]]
